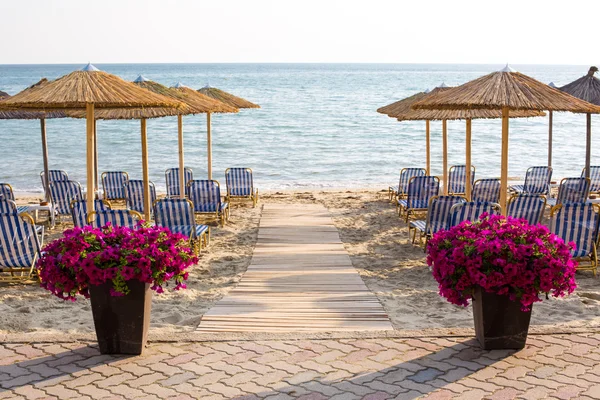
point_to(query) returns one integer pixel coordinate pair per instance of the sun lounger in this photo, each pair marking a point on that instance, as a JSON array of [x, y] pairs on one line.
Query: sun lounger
[[528, 206], [457, 179], [172, 180], [178, 216], [537, 181], [20, 246], [571, 190], [578, 222], [113, 184], [594, 178], [62, 194], [128, 218], [400, 191], [134, 194], [206, 197], [420, 190], [486, 190], [437, 217], [240, 185], [471, 211], [7, 199], [79, 212]]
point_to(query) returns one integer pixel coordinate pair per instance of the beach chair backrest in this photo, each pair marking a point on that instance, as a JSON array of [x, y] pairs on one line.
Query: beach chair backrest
[[54, 175], [6, 192], [172, 213], [421, 189], [537, 180], [19, 242], [134, 194], [79, 211], [113, 184], [471, 211], [172, 180], [7, 206], [576, 222], [126, 218], [573, 190], [239, 181], [205, 195], [457, 178], [62, 193], [528, 206], [439, 211], [406, 174], [594, 178], [486, 190]]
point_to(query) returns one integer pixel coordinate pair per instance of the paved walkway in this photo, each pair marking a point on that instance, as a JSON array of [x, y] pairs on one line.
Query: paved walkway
[[557, 367], [300, 279]]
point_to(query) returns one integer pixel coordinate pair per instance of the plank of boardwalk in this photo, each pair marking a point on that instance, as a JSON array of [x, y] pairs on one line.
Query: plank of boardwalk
[[300, 279]]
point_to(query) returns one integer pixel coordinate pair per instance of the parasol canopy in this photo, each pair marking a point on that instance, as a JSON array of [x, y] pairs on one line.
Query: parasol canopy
[[227, 98], [585, 88]]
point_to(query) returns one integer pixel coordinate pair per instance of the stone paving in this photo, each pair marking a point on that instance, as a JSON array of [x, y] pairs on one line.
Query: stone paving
[[551, 366]]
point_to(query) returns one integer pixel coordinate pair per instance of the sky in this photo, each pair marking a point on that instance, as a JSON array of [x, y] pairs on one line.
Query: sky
[[365, 31]]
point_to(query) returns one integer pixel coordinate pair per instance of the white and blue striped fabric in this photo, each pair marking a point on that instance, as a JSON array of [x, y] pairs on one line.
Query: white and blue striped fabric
[[7, 200], [19, 244], [486, 190], [437, 214], [420, 190], [405, 176], [8, 206], [577, 222], [134, 195], [62, 193], [594, 178], [54, 175], [528, 206], [537, 181], [116, 218], [571, 190], [206, 196], [457, 178], [79, 211], [113, 184], [172, 180], [471, 211], [178, 216], [239, 182], [6, 192]]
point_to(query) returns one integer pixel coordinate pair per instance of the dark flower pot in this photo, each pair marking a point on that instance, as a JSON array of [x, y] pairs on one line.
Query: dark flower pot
[[121, 322], [499, 322]]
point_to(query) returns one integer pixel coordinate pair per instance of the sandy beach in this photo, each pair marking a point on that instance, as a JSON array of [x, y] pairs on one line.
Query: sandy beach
[[379, 247]]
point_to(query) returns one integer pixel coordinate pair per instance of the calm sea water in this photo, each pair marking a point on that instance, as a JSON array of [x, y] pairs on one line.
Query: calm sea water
[[317, 127]]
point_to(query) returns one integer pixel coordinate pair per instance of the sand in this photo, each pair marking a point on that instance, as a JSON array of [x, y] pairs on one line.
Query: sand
[[379, 247]]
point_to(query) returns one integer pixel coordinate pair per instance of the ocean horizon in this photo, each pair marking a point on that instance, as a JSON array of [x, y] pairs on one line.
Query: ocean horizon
[[317, 127]]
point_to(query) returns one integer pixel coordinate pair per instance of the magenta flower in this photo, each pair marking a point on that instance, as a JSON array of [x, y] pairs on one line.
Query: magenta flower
[[502, 255], [88, 256]]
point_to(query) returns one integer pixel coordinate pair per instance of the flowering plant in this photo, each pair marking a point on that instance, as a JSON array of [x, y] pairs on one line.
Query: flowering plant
[[502, 255], [89, 256]]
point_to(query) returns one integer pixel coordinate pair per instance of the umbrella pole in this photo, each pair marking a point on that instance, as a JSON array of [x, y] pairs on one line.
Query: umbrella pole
[[181, 167], [95, 157], [209, 145], [89, 113], [588, 145], [45, 158], [147, 205], [468, 161], [445, 155], [504, 165], [427, 147], [550, 138]]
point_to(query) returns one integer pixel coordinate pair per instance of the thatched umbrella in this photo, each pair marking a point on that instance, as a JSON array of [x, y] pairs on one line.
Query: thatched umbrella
[[228, 99], [89, 89], [402, 111], [508, 91], [197, 104], [586, 88], [42, 116]]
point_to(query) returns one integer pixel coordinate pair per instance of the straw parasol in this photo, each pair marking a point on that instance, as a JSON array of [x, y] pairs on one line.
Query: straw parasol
[[508, 91], [197, 103], [586, 88], [402, 111], [228, 99], [31, 115], [90, 89]]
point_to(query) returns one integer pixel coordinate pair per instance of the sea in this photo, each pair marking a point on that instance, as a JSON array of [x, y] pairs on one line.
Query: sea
[[317, 127]]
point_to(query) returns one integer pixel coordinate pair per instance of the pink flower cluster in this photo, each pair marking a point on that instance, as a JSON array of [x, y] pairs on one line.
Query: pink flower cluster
[[502, 255], [88, 256]]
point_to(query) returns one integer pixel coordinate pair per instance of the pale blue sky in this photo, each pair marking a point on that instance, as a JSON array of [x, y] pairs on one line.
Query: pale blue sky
[[135, 31]]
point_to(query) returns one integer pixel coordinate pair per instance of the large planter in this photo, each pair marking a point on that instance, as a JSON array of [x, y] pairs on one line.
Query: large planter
[[499, 322], [121, 322]]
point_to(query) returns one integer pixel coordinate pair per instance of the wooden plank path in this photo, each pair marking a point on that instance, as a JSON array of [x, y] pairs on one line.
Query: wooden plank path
[[300, 279]]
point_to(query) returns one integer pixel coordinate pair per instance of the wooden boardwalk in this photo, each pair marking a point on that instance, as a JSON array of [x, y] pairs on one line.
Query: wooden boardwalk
[[300, 279]]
